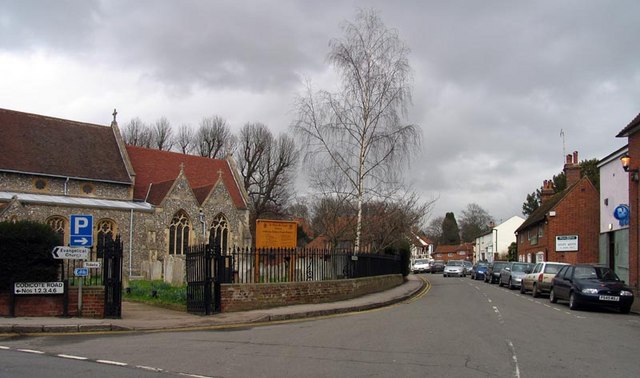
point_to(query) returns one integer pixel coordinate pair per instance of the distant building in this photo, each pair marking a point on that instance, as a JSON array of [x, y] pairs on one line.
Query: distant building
[[565, 226], [494, 244], [421, 247], [462, 251]]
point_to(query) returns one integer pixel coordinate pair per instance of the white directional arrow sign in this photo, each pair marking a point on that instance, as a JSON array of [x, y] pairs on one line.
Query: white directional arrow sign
[[70, 253]]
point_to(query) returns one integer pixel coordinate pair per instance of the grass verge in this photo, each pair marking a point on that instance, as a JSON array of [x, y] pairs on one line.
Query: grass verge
[[157, 293]]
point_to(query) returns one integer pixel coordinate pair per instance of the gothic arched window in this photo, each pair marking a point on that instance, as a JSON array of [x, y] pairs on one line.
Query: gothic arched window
[[59, 225], [219, 232], [179, 233]]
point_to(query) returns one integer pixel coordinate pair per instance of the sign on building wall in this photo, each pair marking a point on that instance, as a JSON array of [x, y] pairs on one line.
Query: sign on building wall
[[38, 288], [566, 243], [276, 234]]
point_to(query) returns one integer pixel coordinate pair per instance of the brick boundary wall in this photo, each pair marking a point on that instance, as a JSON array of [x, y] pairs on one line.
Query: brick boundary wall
[[244, 297], [53, 305]]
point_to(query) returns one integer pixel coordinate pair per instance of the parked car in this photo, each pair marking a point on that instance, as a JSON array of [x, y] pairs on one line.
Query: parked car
[[468, 265], [493, 271], [454, 268], [420, 266], [437, 266], [511, 275], [479, 271], [539, 280], [585, 284]]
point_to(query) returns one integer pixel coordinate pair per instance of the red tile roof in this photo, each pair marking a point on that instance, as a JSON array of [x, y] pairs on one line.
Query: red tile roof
[[36, 144], [161, 168]]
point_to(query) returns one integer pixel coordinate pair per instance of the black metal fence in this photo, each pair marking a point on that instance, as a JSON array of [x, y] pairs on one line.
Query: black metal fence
[[248, 265]]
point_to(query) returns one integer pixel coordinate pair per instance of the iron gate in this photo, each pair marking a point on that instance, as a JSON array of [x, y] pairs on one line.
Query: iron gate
[[206, 270], [111, 251]]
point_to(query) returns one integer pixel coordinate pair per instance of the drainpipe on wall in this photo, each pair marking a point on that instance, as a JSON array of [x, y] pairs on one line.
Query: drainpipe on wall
[[66, 183], [130, 242]]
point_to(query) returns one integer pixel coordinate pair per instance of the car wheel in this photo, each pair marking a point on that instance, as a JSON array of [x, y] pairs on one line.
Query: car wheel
[[522, 290], [534, 291], [552, 296], [444, 275], [625, 309], [510, 285], [500, 281], [573, 301]]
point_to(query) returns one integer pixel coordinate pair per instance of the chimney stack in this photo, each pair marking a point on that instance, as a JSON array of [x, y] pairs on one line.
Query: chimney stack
[[547, 190], [572, 169]]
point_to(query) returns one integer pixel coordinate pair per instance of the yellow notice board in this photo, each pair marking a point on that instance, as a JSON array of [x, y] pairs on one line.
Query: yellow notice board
[[276, 233]]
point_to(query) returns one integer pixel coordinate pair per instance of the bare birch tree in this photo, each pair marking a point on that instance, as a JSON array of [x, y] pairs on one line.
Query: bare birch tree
[[162, 137], [185, 138], [358, 132], [137, 133], [214, 138]]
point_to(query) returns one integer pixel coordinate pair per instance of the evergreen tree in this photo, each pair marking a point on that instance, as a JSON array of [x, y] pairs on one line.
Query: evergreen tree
[[450, 230]]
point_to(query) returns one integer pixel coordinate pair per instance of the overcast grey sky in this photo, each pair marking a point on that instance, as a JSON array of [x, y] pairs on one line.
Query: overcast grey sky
[[494, 81]]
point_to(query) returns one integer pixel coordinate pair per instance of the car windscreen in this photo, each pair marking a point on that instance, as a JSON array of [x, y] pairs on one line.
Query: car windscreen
[[454, 263], [421, 261], [519, 267], [498, 266], [552, 268]]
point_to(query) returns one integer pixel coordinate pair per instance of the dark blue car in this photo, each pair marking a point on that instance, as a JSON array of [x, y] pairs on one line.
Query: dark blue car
[[479, 270]]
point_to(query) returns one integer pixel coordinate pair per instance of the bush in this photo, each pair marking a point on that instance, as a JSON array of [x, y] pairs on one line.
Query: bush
[[25, 252]]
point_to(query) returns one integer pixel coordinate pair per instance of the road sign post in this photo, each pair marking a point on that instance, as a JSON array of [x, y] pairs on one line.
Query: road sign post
[[81, 234]]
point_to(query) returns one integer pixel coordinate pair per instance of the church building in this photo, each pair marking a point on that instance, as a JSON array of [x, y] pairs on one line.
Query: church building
[[159, 202]]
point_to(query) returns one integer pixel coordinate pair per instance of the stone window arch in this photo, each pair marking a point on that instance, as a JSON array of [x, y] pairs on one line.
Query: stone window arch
[[179, 233], [104, 229], [59, 225], [219, 232]]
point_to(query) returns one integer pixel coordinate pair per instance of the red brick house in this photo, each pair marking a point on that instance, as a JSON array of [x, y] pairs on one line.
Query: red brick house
[[462, 251], [566, 225], [633, 137]]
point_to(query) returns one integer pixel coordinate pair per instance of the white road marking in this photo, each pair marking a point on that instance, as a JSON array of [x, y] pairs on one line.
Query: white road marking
[[4, 347], [116, 363], [72, 357], [514, 357], [31, 351]]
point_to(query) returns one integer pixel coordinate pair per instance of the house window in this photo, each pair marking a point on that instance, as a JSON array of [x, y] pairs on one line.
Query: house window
[[219, 233], [59, 225], [179, 233]]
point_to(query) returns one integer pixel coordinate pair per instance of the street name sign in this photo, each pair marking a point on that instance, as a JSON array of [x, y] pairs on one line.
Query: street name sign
[[70, 253], [81, 272], [81, 234], [20, 288]]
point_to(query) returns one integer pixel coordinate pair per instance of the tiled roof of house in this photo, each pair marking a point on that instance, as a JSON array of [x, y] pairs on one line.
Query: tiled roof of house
[[540, 213], [631, 127], [454, 248], [158, 169], [36, 144]]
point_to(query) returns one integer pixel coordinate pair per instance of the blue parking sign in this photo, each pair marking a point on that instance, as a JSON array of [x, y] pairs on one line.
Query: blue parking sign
[[81, 234]]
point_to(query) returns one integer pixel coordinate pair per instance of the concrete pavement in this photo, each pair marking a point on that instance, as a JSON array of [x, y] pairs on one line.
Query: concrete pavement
[[141, 317]]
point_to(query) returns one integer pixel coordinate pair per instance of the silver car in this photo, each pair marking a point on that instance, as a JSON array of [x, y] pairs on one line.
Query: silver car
[[454, 268], [512, 274]]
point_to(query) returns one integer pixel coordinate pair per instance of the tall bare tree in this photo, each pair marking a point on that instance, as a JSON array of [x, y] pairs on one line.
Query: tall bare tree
[[358, 133], [214, 138], [162, 134], [137, 133], [267, 165], [185, 138], [474, 222]]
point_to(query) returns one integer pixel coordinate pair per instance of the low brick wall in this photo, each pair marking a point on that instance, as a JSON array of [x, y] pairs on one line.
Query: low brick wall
[[244, 297], [53, 305]]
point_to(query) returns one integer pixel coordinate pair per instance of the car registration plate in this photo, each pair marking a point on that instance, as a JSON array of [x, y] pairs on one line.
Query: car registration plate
[[609, 298]]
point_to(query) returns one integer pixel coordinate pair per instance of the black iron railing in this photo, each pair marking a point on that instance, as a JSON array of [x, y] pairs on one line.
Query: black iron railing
[[248, 265]]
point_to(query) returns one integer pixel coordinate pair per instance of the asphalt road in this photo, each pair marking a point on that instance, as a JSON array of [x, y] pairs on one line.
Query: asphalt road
[[459, 328]]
